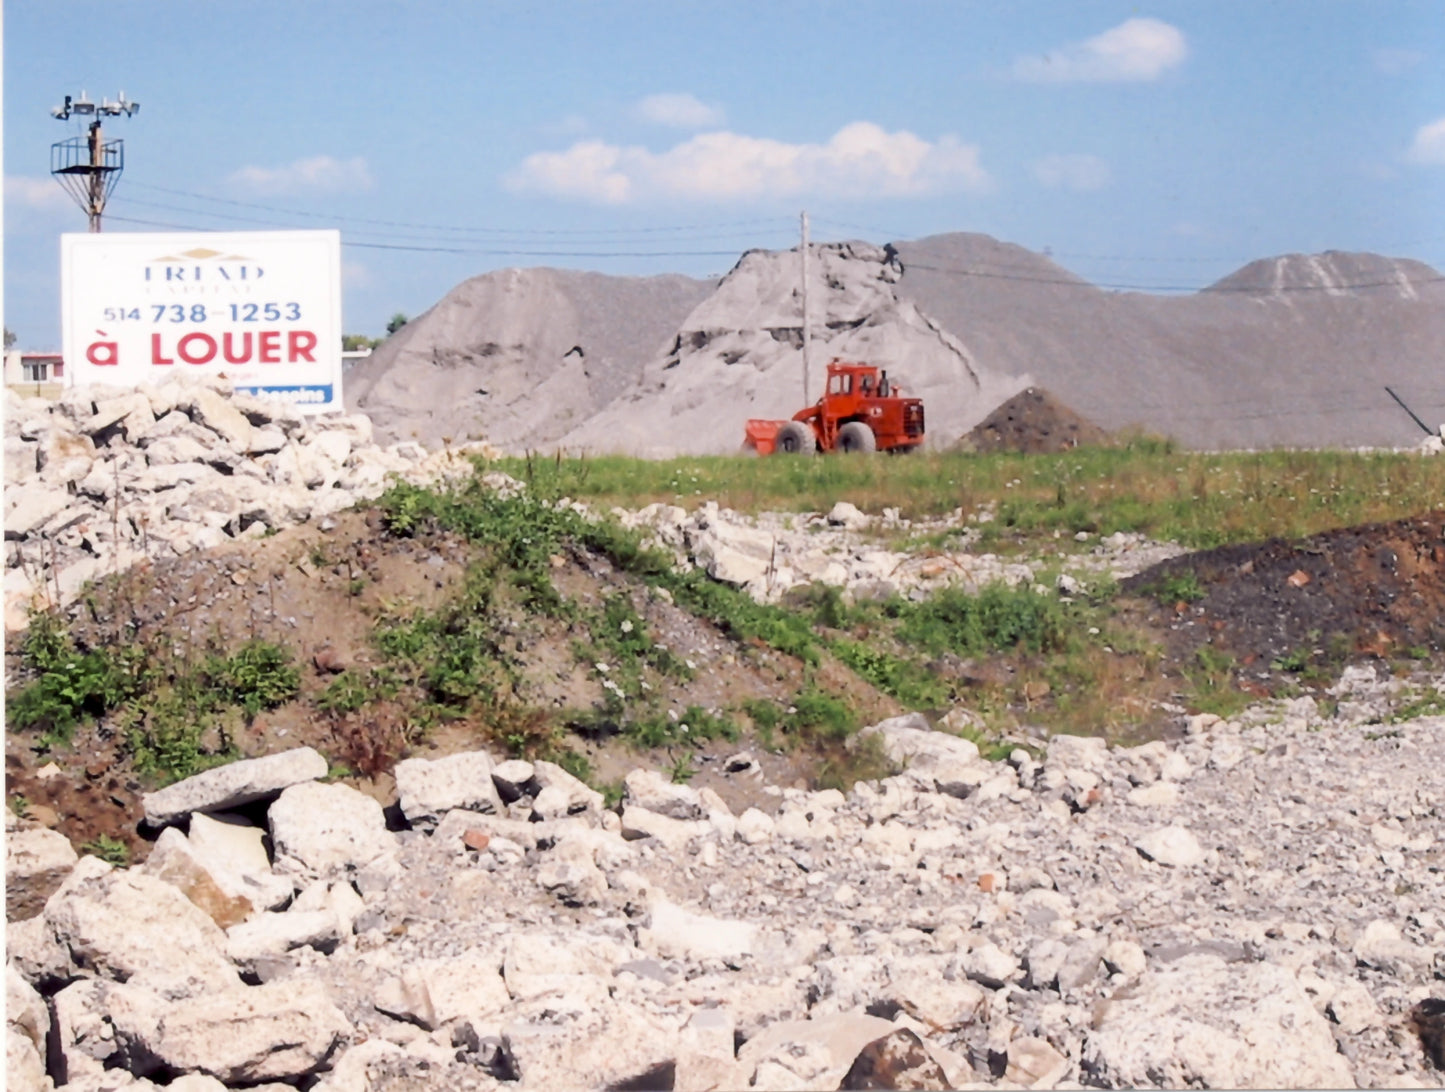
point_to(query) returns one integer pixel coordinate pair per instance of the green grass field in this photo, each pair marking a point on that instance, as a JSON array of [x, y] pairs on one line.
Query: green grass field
[[1196, 499]]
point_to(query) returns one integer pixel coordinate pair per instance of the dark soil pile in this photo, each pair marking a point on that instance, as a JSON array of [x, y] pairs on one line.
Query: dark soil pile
[[1033, 421], [1280, 606]]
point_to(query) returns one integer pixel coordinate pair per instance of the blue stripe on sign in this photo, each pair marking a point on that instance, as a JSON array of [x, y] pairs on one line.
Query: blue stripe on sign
[[317, 395]]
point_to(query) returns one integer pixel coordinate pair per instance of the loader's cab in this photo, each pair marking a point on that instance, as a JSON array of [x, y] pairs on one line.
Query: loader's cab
[[860, 410], [862, 393]]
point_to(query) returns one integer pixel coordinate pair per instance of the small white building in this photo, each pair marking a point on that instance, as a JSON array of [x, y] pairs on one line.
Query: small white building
[[34, 373]]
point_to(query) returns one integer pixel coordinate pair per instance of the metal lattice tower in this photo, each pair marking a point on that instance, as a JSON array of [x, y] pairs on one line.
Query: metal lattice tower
[[89, 166]]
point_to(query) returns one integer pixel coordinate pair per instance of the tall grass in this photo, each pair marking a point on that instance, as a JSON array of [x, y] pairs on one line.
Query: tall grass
[[1194, 498]]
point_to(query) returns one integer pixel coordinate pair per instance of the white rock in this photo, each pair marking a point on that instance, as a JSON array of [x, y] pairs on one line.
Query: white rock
[[754, 827], [810, 1053], [131, 927], [990, 966], [571, 873], [678, 933], [846, 515], [649, 789], [1161, 794], [36, 861], [213, 410], [1125, 957], [25, 1010], [272, 934], [1209, 1024], [1353, 1009], [430, 787], [24, 1065], [580, 797], [947, 763], [675, 834], [1172, 846], [172, 860], [321, 830], [277, 1031], [1035, 1063], [233, 850], [234, 785]]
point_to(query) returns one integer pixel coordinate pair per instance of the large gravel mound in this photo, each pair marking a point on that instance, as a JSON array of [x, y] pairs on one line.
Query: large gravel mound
[[518, 356], [1291, 351], [1288, 351], [739, 355]]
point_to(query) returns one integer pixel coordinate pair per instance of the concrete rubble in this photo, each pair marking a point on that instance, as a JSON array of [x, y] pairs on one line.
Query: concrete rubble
[[106, 478], [1275, 921], [772, 554]]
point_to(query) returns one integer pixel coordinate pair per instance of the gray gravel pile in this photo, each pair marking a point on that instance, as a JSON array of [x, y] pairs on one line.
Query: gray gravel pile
[[519, 356], [1256, 904], [1288, 351]]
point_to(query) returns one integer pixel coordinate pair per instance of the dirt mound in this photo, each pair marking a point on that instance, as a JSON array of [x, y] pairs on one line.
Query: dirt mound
[[1033, 421], [1309, 605]]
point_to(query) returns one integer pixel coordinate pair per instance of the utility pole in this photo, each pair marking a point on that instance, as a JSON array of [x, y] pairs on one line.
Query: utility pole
[[807, 328], [88, 167]]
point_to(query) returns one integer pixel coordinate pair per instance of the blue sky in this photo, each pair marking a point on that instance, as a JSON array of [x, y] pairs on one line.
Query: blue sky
[[1149, 145]]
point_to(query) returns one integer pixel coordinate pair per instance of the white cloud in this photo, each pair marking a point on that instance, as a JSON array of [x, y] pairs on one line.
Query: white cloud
[[1134, 51], [317, 172], [35, 193], [1429, 143], [860, 160], [1072, 172], [1396, 62], [680, 111], [355, 275]]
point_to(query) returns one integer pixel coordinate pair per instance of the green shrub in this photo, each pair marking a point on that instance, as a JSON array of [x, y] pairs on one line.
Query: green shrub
[[997, 619], [259, 675]]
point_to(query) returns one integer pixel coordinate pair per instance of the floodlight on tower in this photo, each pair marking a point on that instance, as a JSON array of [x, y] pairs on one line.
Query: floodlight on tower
[[88, 167]]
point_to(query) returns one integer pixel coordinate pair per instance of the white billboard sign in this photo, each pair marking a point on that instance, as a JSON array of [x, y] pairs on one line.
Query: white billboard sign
[[260, 307]]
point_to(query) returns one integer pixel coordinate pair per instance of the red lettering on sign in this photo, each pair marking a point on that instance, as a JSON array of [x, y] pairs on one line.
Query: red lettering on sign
[[299, 345], [229, 348], [206, 354], [103, 353]]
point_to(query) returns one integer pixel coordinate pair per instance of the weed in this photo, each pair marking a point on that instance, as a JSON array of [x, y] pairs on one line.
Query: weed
[[998, 618], [70, 684], [1294, 662], [818, 715], [1211, 681], [575, 763], [1177, 587], [682, 770], [20, 805], [347, 692], [862, 759], [259, 675], [909, 682], [110, 850], [1426, 705]]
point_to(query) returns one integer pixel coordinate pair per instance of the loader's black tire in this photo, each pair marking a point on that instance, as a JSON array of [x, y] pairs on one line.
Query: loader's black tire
[[857, 437], [795, 438]]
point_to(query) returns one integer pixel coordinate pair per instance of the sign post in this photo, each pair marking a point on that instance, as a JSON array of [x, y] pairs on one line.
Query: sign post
[[261, 308]]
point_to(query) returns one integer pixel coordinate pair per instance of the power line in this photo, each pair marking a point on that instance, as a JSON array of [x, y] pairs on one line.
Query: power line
[[488, 251], [411, 236], [778, 222], [1212, 288]]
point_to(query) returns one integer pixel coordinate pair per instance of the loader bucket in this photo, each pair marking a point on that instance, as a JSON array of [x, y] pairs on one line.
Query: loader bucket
[[761, 435]]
